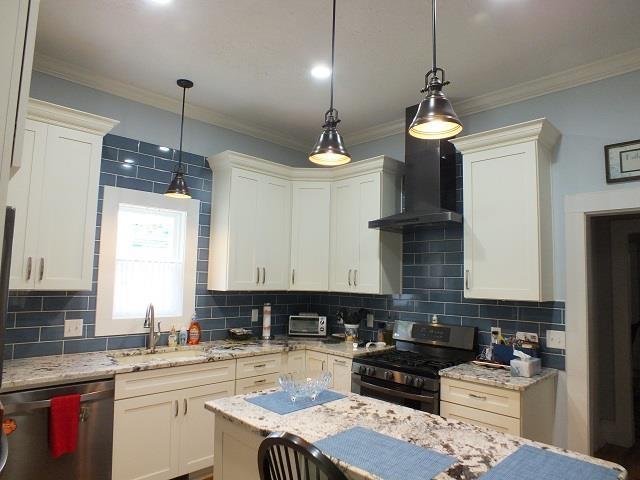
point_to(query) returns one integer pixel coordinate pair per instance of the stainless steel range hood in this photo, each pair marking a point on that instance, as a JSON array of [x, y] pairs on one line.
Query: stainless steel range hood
[[429, 186]]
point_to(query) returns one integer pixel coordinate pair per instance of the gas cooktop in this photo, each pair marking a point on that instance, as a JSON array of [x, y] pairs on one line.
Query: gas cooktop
[[409, 362]]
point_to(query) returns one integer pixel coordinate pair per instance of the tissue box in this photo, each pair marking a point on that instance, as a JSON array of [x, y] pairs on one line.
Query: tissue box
[[527, 367]]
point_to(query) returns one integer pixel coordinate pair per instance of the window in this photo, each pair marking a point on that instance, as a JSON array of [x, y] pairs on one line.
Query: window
[[148, 250]]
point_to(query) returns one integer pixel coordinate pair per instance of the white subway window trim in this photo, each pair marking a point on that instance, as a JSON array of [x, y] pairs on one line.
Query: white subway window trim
[[148, 254]]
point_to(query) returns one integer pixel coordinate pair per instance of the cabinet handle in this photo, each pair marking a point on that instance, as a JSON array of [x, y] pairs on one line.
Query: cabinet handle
[[264, 274], [466, 279], [340, 362], [258, 275], [260, 365], [176, 413], [256, 382], [479, 397], [29, 264], [349, 277], [293, 276], [323, 365], [186, 406], [41, 268], [355, 277]]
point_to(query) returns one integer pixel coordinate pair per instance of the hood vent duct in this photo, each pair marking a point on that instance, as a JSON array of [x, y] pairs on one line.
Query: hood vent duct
[[429, 186]]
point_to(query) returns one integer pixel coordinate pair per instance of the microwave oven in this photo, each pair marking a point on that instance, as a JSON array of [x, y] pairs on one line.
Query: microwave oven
[[306, 325]]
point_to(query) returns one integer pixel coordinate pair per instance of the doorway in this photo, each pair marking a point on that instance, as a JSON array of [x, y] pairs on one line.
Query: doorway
[[614, 300]]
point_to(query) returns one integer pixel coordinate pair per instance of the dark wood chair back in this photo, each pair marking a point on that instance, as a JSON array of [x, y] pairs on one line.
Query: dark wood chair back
[[284, 456]]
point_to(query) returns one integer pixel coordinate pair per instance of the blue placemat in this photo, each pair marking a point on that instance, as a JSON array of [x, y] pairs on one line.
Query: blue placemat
[[531, 463], [384, 456], [279, 402]]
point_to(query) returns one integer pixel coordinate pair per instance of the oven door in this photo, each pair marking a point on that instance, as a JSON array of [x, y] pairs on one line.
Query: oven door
[[404, 395]]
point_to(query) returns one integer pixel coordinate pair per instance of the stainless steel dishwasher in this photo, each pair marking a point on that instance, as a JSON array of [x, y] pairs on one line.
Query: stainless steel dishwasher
[[29, 455]]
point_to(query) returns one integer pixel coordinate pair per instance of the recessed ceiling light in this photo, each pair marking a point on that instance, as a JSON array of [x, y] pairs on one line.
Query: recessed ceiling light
[[163, 149], [128, 160], [160, 2], [320, 71]]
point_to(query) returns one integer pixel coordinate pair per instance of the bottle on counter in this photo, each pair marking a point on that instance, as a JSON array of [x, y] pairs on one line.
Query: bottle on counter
[[183, 336], [266, 321], [194, 331], [172, 340]]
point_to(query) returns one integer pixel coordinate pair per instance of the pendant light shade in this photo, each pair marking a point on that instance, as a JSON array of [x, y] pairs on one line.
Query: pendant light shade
[[435, 118], [329, 150], [178, 186]]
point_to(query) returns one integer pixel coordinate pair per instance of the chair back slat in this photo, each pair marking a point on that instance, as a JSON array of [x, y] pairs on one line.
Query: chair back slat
[[275, 462]]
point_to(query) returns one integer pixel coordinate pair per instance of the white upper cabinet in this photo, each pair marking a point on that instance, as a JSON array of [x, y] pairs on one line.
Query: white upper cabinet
[[55, 194], [365, 260], [275, 227], [311, 206], [508, 252]]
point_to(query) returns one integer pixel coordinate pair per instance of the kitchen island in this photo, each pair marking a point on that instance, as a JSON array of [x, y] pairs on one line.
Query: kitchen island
[[240, 426]]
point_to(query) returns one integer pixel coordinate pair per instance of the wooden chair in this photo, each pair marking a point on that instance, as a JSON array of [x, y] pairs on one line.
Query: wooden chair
[[284, 456]]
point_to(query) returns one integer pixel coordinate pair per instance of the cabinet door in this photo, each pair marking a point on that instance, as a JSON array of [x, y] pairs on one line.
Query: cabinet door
[[366, 278], [68, 206], [501, 235], [243, 230], [146, 437], [274, 233], [340, 369], [316, 363], [196, 430], [344, 235], [296, 363], [310, 225], [24, 195]]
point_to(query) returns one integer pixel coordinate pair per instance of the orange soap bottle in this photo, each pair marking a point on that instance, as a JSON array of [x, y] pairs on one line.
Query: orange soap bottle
[[194, 331]]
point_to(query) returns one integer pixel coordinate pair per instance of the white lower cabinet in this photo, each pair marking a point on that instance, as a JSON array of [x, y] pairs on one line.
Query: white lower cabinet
[[316, 363], [340, 370], [296, 362]]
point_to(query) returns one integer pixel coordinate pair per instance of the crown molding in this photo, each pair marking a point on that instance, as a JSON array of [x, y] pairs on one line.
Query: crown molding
[[68, 117], [592, 72], [80, 75]]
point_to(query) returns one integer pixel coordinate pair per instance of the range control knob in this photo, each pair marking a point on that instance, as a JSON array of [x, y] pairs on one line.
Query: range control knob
[[362, 370], [419, 382], [371, 372], [388, 375], [408, 380]]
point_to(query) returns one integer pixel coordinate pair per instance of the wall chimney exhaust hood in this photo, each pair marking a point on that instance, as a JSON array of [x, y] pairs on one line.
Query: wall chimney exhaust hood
[[429, 185]]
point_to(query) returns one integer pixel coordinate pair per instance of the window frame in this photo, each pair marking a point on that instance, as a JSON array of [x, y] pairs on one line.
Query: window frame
[[113, 197]]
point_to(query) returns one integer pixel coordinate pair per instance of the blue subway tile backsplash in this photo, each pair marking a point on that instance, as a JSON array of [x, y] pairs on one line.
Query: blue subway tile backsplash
[[432, 279]]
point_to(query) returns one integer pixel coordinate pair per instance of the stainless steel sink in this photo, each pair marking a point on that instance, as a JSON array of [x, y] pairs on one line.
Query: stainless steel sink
[[147, 355]]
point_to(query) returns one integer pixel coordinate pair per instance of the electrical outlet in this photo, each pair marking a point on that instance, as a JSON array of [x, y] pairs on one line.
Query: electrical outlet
[[495, 334], [556, 339], [73, 328], [254, 315]]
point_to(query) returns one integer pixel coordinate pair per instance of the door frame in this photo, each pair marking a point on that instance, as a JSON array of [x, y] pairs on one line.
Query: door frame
[[578, 209]]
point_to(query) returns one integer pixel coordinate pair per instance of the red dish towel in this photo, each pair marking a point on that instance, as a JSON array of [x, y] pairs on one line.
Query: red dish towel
[[63, 424]]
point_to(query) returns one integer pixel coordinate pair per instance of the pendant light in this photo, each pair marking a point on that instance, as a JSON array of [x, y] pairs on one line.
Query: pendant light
[[178, 186], [329, 150], [435, 117]]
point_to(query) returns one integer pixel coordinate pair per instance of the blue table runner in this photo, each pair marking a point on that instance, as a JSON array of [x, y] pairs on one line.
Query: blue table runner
[[280, 403], [384, 456], [532, 463]]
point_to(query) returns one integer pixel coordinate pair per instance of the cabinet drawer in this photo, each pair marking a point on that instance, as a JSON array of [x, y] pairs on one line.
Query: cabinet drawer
[[259, 365], [480, 418], [167, 379], [255, 384], [482, 397]]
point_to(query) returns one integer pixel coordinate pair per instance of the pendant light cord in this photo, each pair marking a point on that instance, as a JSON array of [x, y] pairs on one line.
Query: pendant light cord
[[433, 32], [184, 95], [333, 51]]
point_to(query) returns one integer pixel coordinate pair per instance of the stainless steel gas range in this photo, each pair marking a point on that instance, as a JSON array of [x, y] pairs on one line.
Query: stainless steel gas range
[[409, 375]]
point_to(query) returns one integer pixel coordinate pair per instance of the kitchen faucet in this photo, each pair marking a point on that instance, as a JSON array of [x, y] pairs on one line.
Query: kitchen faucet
[[150, 323]]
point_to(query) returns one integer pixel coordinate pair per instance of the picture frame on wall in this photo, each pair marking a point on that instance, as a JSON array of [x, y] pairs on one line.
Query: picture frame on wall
[[622, 161]]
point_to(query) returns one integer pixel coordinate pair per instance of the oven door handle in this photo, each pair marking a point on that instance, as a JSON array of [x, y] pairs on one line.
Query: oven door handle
[[396, 393]]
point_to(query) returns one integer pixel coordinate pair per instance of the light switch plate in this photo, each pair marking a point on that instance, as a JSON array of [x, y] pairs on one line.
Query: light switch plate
[[369, 320], [254, 315], [556, 339], [495, 334], [73, 328]]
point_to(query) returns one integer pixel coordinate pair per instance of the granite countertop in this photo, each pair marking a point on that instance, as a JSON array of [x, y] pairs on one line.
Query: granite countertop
[[478, 449], [26, 373], [496, 377]]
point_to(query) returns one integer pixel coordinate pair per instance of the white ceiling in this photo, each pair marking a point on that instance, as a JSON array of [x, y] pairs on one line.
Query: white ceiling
[[250, 60]]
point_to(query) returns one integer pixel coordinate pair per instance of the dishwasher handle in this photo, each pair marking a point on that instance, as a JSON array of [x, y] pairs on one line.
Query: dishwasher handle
[[40, 404]]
